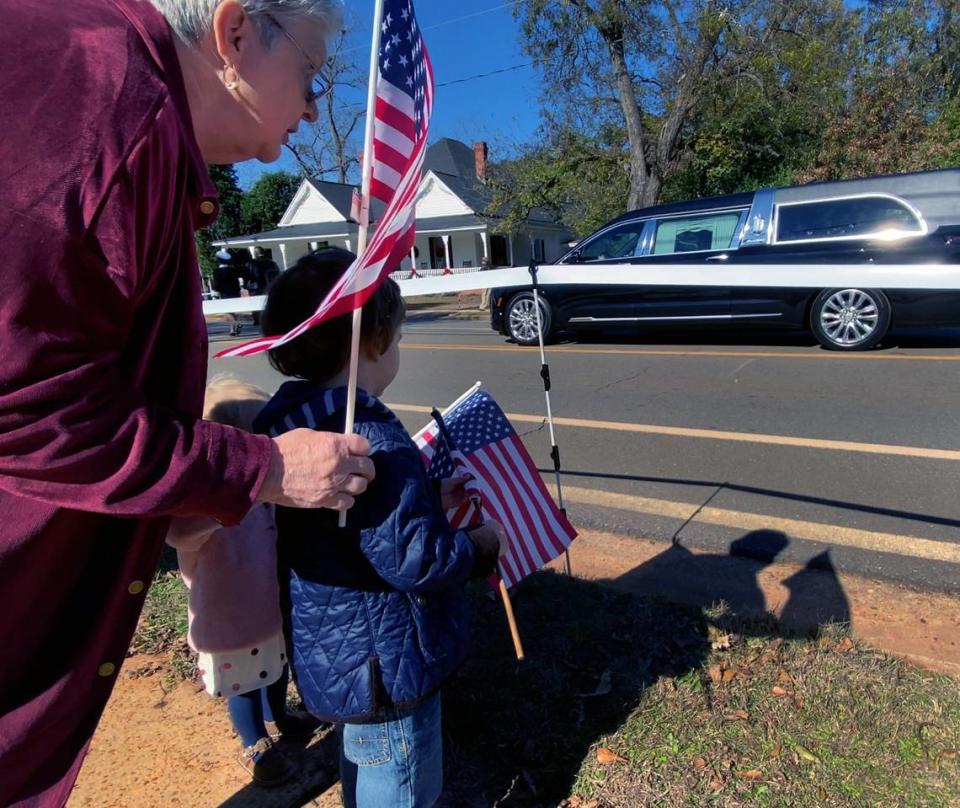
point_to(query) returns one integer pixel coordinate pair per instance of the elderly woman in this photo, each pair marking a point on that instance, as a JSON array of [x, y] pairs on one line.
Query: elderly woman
[[113, 108]]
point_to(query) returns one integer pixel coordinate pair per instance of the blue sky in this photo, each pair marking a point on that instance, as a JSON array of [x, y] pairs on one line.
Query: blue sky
[[465, 40]]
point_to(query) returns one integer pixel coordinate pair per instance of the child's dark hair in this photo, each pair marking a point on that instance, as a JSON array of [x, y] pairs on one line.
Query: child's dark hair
[[324, 350]]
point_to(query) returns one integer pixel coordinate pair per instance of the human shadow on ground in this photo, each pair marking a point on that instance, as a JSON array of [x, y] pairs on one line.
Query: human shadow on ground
[[517, 733], [707, 580]]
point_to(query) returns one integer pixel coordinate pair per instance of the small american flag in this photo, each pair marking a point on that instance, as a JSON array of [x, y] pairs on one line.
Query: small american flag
[[404, 103], [505, 480]]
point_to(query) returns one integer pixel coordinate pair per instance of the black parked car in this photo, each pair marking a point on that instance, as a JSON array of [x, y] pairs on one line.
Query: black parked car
[[901, 219]]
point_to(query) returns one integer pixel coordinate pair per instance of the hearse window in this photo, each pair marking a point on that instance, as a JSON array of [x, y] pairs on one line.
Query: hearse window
[[845, 218], [695, 233], [618, 242]]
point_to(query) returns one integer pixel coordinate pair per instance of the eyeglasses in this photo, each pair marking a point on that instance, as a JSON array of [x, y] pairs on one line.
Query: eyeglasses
[[319, 86]]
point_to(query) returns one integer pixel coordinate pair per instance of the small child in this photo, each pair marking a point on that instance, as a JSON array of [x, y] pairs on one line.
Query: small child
[[379, 612], [234, 607]]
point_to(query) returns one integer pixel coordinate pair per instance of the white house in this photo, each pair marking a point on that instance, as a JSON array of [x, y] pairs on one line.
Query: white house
[[454, 231]]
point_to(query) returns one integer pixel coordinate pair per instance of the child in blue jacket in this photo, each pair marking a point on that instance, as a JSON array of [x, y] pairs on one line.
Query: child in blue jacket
[[378, 612]]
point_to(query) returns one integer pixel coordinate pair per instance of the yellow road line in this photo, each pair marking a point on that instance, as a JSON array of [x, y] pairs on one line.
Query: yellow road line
[[738, 437], [892, 543], [863, 357]]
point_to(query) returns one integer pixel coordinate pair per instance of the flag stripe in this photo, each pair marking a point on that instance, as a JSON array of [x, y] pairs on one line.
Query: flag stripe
[[534, 552], [394, 139], [534, 515], [528, 473], [510, 519]]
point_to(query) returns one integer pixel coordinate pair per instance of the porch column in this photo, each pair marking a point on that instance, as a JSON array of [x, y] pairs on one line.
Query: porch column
[[347, 242], [446, 251], [283, 256], [485, 238], [252, 249], [510, 247], [413, 262]]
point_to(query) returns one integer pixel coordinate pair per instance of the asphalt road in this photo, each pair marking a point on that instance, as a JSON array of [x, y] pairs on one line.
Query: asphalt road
[[762, 444]]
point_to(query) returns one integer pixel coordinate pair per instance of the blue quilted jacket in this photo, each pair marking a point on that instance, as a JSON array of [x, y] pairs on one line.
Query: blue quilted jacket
[[378, 613]]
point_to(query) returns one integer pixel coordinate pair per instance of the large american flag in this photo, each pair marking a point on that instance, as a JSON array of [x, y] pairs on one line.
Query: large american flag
[[505, 481], [404, 103]]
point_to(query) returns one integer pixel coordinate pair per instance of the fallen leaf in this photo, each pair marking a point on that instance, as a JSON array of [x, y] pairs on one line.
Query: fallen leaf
[[777, 751], [721, 642], [740, 715], [716, 784], [822, 794], [778, 691], [845, 645], [752, 774], [783, 676], [699, 763], [729, 675], [798, 702], [715, 672], [606, 756], [805, 754], [594, 803]]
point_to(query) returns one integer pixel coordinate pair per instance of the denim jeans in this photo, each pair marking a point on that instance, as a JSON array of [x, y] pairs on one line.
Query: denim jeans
[[394, 764]]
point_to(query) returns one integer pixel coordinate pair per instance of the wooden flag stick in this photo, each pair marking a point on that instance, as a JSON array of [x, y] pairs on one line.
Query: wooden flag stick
[[364, 223], [511, 620], [445, 436]]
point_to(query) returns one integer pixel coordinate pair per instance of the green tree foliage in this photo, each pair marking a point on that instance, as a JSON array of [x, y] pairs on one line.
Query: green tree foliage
[[265, 203], [653, 101], [230, 221]]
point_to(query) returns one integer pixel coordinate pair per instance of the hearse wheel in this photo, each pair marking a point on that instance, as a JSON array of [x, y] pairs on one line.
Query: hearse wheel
[[521, 319], [850, 319]]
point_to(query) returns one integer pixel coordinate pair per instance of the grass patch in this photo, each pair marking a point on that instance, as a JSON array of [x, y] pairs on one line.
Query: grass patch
[[624, 702], [163, 622]]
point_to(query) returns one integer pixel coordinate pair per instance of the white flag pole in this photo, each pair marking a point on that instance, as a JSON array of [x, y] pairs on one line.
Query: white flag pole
[[545, 375], [367, 173]]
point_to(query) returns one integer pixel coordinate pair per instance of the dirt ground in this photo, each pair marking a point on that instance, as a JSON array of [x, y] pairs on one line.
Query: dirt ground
[[160, 747]]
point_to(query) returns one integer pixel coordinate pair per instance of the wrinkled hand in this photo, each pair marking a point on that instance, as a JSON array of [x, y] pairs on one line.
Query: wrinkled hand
[[490, 538], [311, 469], [453, 492]]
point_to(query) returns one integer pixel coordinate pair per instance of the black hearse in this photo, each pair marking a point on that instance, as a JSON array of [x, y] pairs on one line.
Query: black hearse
[[898, 219]]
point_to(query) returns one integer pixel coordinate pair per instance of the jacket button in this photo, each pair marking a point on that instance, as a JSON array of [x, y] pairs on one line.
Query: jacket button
[[135, 588], [421, 600], [207, 207], [106, 669]]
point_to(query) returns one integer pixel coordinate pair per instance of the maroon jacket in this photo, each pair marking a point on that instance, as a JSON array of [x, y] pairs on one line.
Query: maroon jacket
[[103, 355]]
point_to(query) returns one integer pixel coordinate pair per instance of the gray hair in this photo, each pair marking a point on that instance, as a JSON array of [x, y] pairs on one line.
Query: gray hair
[[191, 20]]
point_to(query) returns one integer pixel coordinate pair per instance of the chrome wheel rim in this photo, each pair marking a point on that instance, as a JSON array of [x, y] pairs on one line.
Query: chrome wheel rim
[[523, 320], [849, 317]]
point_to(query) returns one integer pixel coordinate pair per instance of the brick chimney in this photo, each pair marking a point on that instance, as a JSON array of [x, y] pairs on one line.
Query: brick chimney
[[480, 160]]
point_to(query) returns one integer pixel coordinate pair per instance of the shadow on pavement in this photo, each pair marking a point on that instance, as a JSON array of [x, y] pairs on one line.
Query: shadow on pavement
[[714, 485]]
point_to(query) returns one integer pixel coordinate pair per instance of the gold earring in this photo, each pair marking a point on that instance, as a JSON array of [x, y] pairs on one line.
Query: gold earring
[[231, 78]]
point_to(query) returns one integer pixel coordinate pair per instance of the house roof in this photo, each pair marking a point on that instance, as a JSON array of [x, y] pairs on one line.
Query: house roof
[[296, 231], [439, 224], [449, 156]]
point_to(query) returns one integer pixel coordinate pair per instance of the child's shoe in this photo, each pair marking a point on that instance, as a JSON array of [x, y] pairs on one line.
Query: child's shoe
[[265, 763], [297, 725]]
